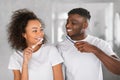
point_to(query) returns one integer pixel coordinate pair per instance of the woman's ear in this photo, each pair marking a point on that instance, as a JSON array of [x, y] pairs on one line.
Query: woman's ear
[[24, 35]]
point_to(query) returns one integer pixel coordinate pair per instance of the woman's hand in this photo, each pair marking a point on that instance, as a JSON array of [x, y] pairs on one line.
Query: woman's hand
[[27, 54]]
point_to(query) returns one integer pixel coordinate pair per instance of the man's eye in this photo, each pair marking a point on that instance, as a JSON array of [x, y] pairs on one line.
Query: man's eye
[[74, 23]]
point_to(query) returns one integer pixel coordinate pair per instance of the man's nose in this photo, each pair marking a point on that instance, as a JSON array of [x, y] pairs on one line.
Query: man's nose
[[68, 25]]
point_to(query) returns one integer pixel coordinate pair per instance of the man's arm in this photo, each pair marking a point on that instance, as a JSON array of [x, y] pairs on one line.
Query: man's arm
[[112, 63]]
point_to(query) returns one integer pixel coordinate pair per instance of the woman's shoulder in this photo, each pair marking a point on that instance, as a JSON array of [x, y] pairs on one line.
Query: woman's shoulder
[[49, 46], [16, 54]]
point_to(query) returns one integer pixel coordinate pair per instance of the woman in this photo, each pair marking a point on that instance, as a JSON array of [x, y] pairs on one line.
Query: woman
[[33, 58]]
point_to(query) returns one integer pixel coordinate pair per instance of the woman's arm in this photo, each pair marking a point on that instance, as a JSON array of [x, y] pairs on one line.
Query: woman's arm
[[57, 72], [27, 56], [24, 75], [17, 74]]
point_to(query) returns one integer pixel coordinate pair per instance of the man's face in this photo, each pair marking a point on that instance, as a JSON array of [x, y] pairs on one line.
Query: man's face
[[75, 25]]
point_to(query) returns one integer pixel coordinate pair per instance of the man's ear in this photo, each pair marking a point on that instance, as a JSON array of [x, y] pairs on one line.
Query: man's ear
[[85, 25]]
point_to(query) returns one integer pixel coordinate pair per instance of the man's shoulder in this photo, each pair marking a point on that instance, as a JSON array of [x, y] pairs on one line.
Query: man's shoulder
[[96, 38], [97, 41], [93, 37], [62, 43], [64, 46]]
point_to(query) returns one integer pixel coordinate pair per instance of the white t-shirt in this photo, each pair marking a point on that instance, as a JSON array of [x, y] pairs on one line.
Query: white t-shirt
[[40, 65], [83, 66]]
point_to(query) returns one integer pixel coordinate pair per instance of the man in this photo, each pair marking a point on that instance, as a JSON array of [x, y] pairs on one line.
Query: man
[[84, 53]]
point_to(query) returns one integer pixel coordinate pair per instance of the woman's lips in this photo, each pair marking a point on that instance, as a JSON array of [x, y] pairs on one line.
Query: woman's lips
[[38, 38], [39, 42]]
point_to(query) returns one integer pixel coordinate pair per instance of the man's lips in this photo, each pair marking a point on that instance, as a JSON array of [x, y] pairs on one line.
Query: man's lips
[[69, 30]]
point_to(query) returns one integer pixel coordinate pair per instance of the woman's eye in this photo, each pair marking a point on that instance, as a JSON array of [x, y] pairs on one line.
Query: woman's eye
[[41, 29], [34, 30]]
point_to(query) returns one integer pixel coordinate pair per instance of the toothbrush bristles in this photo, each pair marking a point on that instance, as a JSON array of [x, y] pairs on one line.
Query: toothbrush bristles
[[39, 42]]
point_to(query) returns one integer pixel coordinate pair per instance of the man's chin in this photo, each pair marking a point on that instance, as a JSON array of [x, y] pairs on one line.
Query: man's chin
[[70, 35]]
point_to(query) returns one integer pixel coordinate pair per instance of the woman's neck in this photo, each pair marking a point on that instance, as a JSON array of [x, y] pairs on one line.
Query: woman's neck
[[37, 48]]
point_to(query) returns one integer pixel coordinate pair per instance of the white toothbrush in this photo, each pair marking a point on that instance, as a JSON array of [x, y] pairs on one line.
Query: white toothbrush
[[39, 42]]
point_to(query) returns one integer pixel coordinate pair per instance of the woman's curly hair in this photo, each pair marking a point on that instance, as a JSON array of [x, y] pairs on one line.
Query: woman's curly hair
[[17, 26]]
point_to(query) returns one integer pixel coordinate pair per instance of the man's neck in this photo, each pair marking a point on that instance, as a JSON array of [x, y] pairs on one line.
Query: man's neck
[[80, 37]]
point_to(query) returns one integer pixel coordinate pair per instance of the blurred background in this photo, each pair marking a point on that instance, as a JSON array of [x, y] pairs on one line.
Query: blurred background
[[105, 23]]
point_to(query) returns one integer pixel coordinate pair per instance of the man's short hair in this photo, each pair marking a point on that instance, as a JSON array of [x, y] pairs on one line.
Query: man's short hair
[[80, 11]]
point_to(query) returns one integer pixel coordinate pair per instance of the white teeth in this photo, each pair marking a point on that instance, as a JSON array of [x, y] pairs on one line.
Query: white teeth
[[69, 30]]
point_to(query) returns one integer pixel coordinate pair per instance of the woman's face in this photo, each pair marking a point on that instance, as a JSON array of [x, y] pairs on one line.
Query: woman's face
[[33, 31]]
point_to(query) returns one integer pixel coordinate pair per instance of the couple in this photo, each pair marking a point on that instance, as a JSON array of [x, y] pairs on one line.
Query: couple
[[79, 56]]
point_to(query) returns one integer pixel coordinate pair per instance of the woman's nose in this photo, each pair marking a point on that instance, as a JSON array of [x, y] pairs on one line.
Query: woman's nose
[[41, 34]]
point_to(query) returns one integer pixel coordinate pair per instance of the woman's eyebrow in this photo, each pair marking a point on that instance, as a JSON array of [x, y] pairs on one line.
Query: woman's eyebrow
[[37, 27], [34, 28]]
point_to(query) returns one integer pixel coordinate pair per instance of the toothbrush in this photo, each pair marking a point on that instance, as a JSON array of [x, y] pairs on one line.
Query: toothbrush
[[39, 42], [70, 39]]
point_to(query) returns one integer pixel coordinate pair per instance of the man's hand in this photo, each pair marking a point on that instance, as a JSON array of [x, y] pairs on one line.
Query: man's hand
[[83, 46]]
